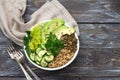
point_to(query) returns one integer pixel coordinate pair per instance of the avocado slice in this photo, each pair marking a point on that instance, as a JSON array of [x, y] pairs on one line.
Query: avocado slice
[[63, 30], [52, 25]]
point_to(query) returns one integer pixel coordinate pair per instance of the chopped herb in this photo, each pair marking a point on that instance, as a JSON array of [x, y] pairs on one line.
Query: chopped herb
[[26, 41], [53, 44]]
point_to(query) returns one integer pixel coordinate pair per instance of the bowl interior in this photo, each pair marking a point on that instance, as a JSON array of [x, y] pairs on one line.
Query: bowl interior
[[52, 69]]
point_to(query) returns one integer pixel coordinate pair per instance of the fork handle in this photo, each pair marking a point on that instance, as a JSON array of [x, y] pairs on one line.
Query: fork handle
[[34, 75], [25, 72]]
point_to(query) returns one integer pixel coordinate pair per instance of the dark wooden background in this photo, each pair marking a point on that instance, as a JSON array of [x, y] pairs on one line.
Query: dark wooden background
[[99, 55]]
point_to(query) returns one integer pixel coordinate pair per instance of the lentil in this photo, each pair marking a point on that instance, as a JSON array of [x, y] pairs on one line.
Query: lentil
[[70, 46]]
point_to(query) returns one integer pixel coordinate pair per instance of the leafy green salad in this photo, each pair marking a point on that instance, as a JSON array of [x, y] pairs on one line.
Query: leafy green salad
[[43, 43]]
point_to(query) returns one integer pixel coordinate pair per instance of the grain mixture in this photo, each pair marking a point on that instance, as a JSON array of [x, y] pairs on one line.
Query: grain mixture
[[70, 46]]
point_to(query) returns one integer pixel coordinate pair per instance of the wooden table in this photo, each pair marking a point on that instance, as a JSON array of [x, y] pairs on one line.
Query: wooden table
[[99, 55]]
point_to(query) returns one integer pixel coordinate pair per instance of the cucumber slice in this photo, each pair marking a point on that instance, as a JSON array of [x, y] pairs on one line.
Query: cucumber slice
[[49, 53], [37, 62], [37, 58], [43, 63], [38, 50], [49, 58], [42, 53], [32, 56]]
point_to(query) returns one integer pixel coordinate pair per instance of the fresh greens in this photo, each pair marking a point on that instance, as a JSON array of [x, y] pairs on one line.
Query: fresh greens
[[53, 44], [26, 41], [43, 43]]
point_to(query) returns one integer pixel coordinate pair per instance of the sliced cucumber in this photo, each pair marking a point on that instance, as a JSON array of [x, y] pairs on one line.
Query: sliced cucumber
[[32, 56], [42, 53], [49, 53], [43, 63], [37, 58], [49, 58], [38, 50], [37, 62]]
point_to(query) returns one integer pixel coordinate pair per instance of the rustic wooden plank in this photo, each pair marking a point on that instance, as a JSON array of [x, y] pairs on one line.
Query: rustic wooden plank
[[12, 78], [43, 78], [92, 11], [97, 57], [107, 78], [99, 35], [62, 78]]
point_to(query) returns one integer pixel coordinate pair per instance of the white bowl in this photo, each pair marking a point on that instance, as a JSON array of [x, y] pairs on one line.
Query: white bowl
[[58, 68]]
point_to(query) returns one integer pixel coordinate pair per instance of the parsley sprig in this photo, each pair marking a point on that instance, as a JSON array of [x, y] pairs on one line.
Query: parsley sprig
[[53, 44]]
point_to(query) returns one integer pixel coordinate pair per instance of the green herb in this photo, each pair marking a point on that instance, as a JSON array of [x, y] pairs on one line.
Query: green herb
[[26, 41], [53, 44]]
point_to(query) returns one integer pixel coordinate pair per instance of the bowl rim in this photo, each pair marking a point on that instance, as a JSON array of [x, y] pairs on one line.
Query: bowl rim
[[58, 68]]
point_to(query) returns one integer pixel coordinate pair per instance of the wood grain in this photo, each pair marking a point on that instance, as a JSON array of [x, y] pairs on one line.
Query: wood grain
[[99, 35], [62, 78], [85, 11], [99, 54]]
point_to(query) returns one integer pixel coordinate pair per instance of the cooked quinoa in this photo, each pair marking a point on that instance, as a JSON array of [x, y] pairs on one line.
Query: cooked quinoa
[[70, 46]]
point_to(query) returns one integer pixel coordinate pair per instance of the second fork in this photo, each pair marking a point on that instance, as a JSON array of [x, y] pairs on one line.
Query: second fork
[[19, 57]]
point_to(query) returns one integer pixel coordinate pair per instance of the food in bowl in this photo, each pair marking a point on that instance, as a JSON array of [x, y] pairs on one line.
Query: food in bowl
[[51, 44]]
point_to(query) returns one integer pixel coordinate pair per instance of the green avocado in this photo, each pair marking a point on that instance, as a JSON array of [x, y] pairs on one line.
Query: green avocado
[[59, 21], [39, 34], [52, 25], [63, 30]]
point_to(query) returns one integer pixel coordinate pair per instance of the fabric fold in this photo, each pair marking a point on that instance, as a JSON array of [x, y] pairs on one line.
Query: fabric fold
[[12, 22]]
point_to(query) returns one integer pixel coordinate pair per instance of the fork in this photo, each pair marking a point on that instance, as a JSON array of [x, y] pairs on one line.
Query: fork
[[34, 75], [19, 57]]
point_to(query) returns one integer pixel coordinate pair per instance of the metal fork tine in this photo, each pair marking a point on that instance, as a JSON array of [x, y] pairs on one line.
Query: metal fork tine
[[35, 76], [10, 50], [14, 54], [20, 52]]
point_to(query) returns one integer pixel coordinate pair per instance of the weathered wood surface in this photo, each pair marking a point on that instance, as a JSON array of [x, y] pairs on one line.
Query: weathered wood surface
[[99, 55], [60, 78], [86, 11]]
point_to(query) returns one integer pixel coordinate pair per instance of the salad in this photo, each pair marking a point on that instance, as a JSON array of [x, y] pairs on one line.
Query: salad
[[43, 41]]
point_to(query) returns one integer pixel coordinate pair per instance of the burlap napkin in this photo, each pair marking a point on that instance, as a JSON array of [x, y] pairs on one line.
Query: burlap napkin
[[12, 23]]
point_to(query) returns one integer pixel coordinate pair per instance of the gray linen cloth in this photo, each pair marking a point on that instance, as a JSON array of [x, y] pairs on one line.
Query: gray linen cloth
[[12, 22]]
